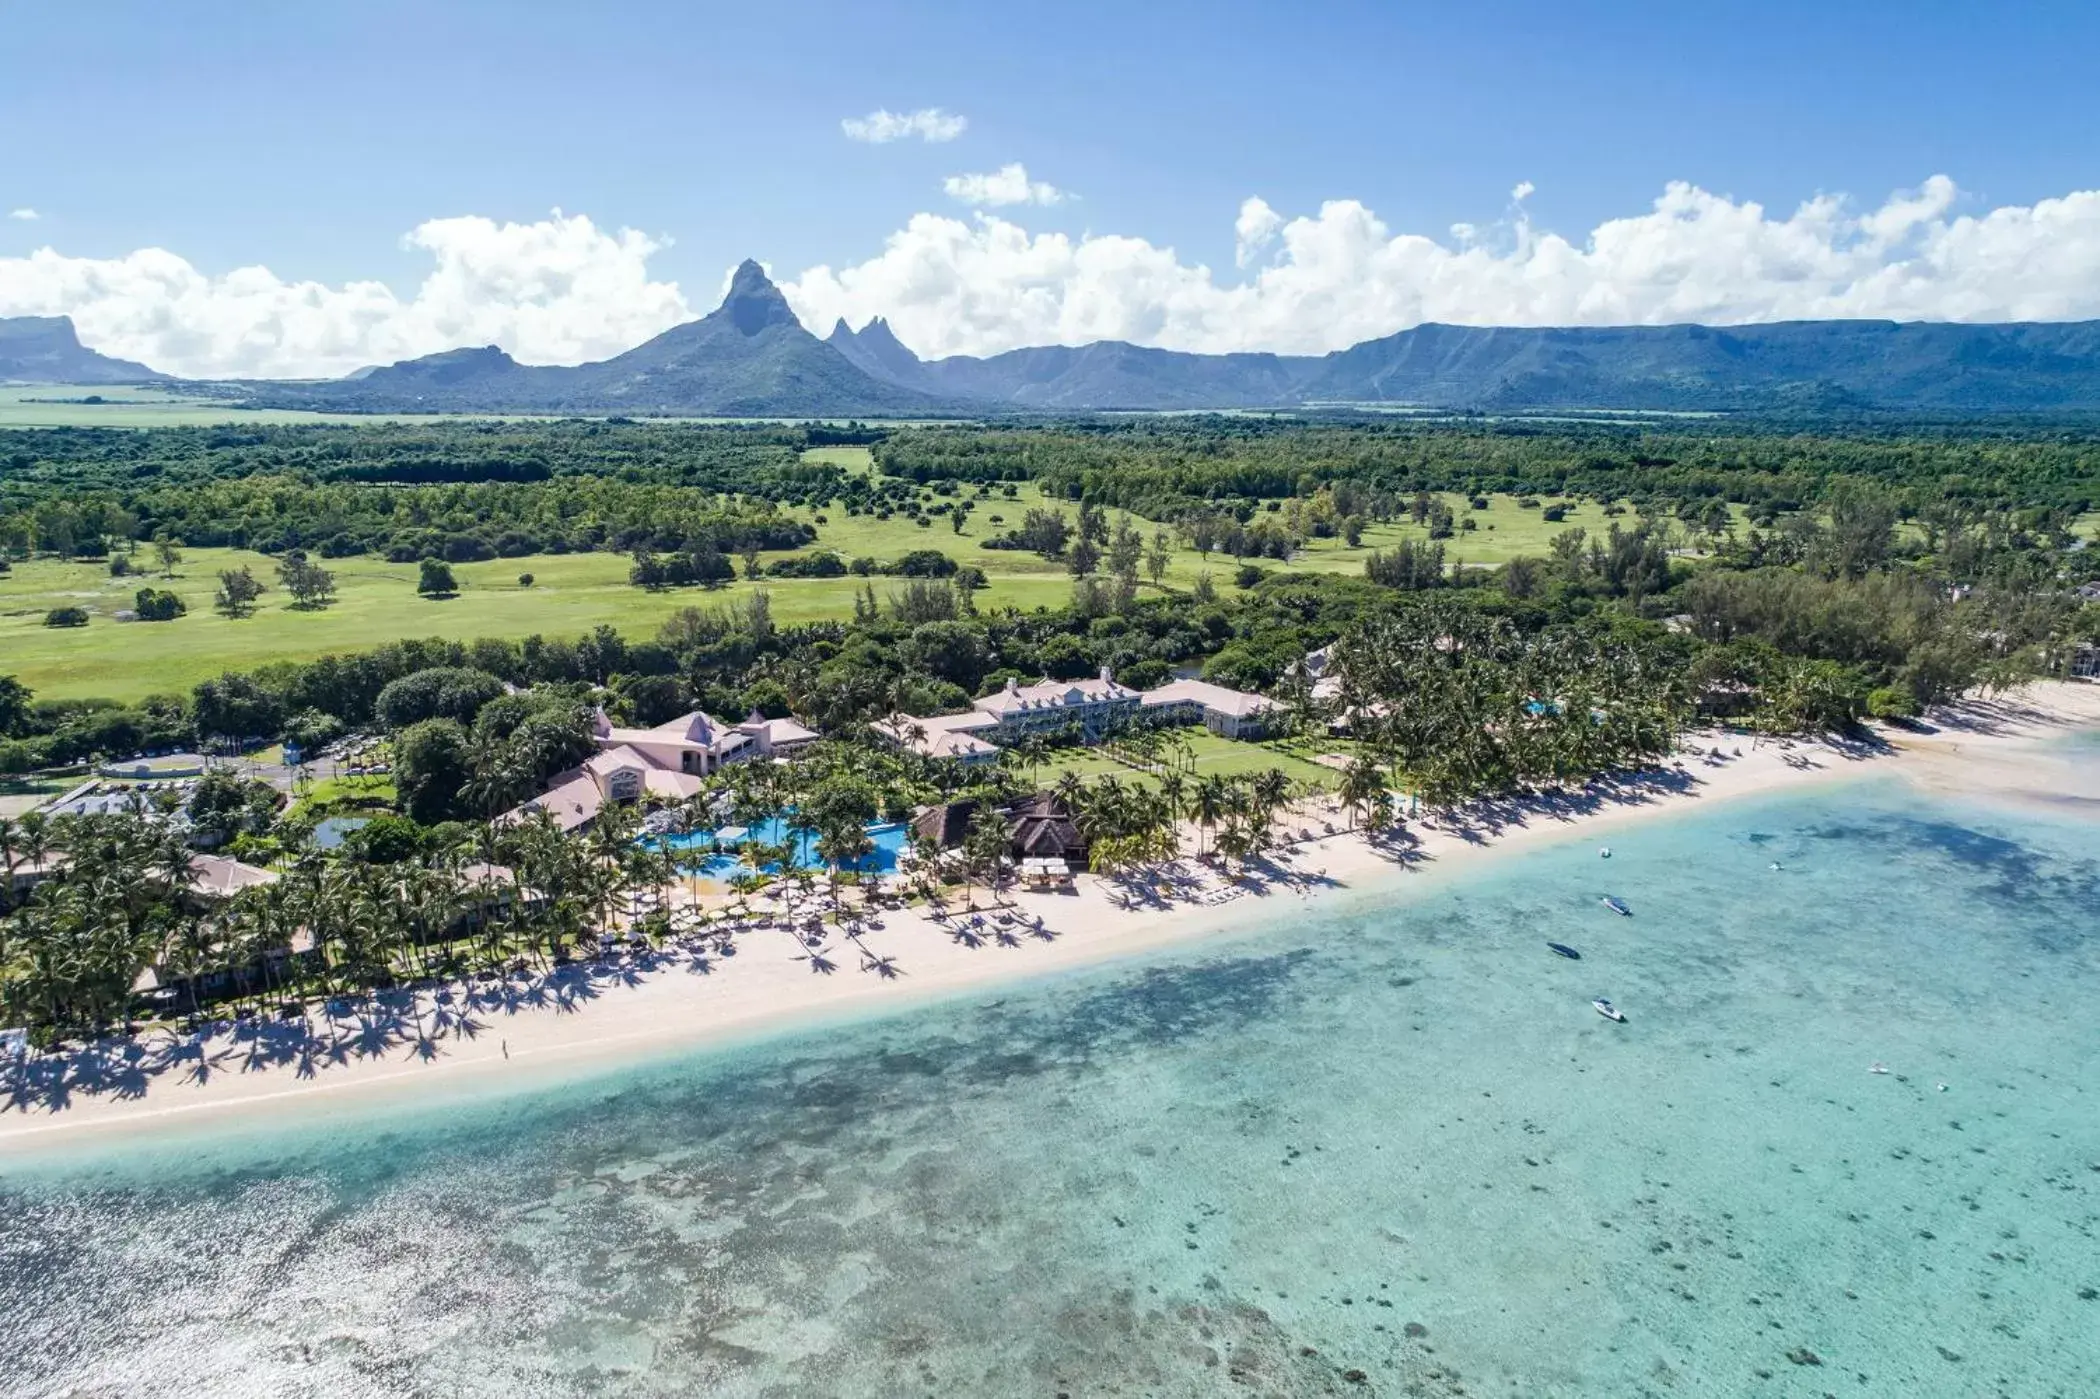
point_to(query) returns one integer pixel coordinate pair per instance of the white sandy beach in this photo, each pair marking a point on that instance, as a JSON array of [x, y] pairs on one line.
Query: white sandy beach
[[596, 1019]]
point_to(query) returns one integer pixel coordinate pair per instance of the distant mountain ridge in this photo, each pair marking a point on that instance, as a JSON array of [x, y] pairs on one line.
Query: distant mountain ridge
[[47, 350], [751, 357], [1786, 366]]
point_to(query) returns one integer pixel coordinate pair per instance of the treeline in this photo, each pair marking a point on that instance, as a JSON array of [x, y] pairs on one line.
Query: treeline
[[1167, 469], [457, 523], [718, 457]]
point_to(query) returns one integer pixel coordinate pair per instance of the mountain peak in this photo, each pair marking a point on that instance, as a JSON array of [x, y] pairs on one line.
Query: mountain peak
[[52, 330], [879, 334], [754, 303], [47, 350]]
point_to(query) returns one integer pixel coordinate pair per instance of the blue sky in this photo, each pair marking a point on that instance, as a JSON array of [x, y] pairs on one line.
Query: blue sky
[[311, 138]]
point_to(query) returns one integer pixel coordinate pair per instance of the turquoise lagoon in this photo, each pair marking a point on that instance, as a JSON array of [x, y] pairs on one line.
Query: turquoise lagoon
[[1373, 1144]]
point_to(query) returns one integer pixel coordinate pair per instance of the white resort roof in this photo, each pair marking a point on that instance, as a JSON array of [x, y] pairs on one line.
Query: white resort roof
[[1237, 703], [943, 736], [1053, 694], [221, 877]]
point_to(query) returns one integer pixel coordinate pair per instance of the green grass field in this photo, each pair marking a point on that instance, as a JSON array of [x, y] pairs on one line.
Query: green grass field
[[1208, 755], [62, 405], [572, 593]]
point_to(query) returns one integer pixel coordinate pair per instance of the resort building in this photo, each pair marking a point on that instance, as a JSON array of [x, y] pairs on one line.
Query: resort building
[[1318, 667], [668, 762], [1225, 712], [2085, 663], [1039, 829], [1089, 709], [1093, 707], [699, 745], [946, 737], [216, 878]]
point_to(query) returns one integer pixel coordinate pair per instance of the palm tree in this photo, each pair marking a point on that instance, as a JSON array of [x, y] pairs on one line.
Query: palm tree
[[1362, 782], [1173, 791], [985, 846], [9, 834], [840, 843], [1213, 800], [1071, 790]]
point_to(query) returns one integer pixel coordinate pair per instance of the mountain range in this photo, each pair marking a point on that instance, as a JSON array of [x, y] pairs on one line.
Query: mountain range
[[751, 357], [1790, 366]]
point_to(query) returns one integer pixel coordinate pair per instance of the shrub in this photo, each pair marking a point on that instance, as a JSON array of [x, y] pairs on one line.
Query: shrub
[[1248, 575], [925, 563], [434, 579], [158, 605], [66, 617], [524, 580], [1892, 703], [818, 565], [387, 840]]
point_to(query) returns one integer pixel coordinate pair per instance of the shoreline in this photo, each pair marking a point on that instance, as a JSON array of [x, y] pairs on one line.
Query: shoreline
[[599, 1020]]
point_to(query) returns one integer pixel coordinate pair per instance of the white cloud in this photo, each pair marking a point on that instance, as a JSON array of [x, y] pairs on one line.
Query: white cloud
[[1323, 281], [1524, 190], [562, 289], [558, 291], [1253, 230], [1009, 184], [25, 215], [882, 126]]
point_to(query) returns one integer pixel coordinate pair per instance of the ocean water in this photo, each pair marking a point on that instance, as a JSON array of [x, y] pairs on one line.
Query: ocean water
[[1369, 1145]]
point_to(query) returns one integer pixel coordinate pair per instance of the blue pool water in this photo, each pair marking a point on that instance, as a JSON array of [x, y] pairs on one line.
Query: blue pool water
[[1372, 1144], [699, 856]]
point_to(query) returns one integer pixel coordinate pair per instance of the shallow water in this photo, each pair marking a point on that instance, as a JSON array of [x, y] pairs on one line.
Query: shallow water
[[1371, 1147]]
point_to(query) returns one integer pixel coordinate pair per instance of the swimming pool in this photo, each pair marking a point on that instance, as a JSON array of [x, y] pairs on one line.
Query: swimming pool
[[697, 852]]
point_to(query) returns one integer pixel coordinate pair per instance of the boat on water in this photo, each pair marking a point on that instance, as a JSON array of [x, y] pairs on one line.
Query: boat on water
[[1608, 1010], [1618, 906], [1566, 951]]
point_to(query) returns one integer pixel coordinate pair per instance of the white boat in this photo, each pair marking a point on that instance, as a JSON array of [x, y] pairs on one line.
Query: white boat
[[1608, 1010]]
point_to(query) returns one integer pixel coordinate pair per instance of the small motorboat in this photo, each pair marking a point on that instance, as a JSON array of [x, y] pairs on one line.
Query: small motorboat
[[1617, 906], [1604, 853], [1566, 951], [1608, 1010]]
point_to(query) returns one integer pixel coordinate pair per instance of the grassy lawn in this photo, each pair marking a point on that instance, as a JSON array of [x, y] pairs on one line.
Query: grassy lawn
[[1208, 755], [1232, 758], [376, 603]]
